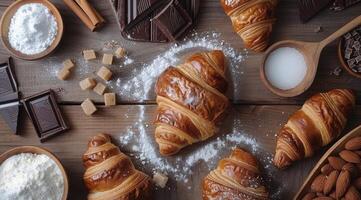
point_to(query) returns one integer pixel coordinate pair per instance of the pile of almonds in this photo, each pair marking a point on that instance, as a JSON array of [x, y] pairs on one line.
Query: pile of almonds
[[340, 178]]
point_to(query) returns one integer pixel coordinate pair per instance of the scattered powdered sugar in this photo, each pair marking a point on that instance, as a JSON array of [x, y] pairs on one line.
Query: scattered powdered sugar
[[140, 86]]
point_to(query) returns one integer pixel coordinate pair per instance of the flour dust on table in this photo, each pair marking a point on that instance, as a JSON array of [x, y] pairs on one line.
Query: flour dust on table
[[141, 86], [138, 142]]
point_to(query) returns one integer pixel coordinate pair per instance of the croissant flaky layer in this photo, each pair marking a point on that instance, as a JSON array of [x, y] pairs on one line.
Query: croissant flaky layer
[[190, 101], [235, 178], [252, 20], [320, 120], [110, 174]]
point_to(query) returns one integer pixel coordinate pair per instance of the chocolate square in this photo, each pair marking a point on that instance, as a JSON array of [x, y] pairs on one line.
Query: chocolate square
[[10, 114], [45, 114], [8, 84], [173, 20]]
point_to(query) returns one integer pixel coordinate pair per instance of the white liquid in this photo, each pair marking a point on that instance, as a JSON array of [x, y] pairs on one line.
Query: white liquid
[[285, 68]]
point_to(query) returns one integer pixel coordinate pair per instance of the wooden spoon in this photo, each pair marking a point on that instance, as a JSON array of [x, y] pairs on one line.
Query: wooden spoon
[[334, 150], [311, 52]]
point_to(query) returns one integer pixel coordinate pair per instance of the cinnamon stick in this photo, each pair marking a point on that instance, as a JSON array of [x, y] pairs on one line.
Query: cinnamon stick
[[88, 11]]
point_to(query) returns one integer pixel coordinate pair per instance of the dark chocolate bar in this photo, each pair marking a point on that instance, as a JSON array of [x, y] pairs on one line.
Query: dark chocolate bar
[[309, 8], [135, 18], [173, 20], [45, 114], [10, 114], [339, 5], [8, 84]]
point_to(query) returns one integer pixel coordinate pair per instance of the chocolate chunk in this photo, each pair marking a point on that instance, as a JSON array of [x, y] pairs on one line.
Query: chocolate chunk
[[45, 114], [339, 5], [347, 36], [351, 62], [348, 53], [309, 8], [358, 59], [10, 114], [173, 20], [8, 84], [135, 17]]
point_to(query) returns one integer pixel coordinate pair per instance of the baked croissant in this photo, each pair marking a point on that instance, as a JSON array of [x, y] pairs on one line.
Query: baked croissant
[[320, 120], [252, 20], [235, 178], [190, 101], [110, 174]]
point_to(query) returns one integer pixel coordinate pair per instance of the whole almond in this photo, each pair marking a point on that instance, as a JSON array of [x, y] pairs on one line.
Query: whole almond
[[342, 183], [350, 156], [320, 194], [330, 182], [326, 169], [357, 183], [352, 194], [353, 144], [333, 194], [317, 184], [309, 196], [336, 162], [358, 152], [351, 168]]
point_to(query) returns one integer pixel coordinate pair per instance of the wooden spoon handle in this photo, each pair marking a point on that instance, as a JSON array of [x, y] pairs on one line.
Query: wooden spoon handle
[[346, 28]]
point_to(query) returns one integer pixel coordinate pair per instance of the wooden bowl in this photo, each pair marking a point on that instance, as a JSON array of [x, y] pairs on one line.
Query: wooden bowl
[[334, 150], [5, 24], [344, 64], [38, 150]]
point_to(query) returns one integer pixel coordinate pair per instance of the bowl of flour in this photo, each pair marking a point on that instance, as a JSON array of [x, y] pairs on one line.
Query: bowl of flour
[[31, 29], [32, 173]]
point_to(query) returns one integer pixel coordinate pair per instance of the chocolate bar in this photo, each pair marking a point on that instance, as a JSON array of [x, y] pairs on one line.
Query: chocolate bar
[[10, 114], [136, 18], [173, 20], [45, 114], [339, 5], [309, 8], [8, 84]]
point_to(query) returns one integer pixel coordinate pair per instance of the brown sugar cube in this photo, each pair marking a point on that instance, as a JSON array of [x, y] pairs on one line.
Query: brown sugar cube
[[107, 59], [120, 52], [105, 73], [63, 74], [68, 64], [89, 54], [109, 99], [160, 179], [87, 84], [88, 107], [99, 88]]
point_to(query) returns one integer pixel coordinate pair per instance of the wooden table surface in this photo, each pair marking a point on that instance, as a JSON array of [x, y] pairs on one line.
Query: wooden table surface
[[256, 113]]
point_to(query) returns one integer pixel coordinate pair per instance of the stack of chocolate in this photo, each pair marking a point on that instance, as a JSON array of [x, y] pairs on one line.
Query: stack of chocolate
[[9, 95], [352, 49], [156, 20]]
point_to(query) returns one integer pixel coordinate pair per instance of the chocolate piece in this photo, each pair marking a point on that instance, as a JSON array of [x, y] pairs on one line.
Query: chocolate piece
[[10, 114], [339, 5], [8, 84], [45, 114], [309, 8], [135, 18]]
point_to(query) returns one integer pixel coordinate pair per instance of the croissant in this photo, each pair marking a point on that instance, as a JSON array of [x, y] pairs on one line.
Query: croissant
[[252, 20], [190, 101], [110, 174], [320, 120], [235, 178]]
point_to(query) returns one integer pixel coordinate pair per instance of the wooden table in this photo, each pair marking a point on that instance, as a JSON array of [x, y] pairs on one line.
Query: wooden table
[[256, 113]]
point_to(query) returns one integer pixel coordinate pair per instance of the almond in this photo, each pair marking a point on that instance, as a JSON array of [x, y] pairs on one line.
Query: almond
[[350, 156], [357, 183], [358, 152], [352, 194], [323, 198], [336, 162], [326, 169], [353, 144], [333, 194], [317, 184], [342, 183], [351, 168], [309, 196], [330, 182]]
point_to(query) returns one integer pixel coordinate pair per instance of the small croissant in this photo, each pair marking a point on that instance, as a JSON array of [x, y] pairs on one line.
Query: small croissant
[[252, 20], [110, 174]]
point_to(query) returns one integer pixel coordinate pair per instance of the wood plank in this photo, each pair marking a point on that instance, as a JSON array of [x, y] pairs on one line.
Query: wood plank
[[40, 75], [258, 123]]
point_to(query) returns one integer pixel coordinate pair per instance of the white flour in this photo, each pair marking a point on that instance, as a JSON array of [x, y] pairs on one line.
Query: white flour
[[30, 176], [32, 29]]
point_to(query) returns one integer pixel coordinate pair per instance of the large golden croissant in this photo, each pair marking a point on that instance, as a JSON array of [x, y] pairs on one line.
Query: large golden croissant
[[252, 20], [110, 174], [320, 120], [190, 101], [235, 178]]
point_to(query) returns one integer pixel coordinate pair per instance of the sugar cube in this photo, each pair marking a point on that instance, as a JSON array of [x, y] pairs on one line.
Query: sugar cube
[[109, 99], [87, 83], [104, 73], [88, 107]]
